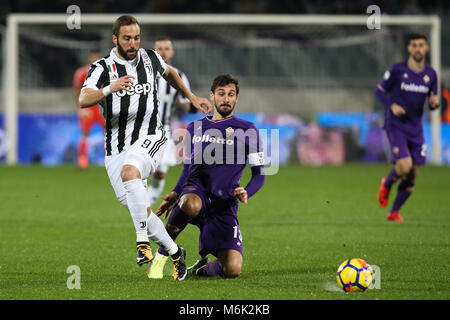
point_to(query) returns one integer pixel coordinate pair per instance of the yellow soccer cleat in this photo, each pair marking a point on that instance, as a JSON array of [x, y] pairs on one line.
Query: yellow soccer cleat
[[156, 269]]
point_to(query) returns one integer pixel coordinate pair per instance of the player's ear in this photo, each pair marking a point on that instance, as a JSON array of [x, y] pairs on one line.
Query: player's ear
[[211, 96], [114, 39]]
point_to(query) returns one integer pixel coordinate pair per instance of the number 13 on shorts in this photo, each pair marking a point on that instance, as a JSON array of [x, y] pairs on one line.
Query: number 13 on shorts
[[237, 233]]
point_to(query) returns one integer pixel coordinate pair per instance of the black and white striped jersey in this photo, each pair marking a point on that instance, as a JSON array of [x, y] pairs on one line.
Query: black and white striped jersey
[[167, 95], [128, 115]]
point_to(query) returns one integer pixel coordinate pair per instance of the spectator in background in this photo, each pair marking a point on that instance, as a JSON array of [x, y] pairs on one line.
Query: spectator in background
[[445, 109], [88, 116]]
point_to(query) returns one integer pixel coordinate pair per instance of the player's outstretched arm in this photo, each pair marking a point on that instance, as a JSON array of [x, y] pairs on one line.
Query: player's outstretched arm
[[256, 182], [175, 81], [167, 205], [90, 97]]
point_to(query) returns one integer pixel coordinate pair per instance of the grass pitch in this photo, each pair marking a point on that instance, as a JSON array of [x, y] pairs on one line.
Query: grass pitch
[[296, 232]]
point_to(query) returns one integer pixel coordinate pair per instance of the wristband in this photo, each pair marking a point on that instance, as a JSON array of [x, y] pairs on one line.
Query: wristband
[[106, 90]]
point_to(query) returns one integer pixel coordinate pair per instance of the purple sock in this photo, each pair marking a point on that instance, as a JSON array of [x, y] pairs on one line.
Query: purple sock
[[213, 269], [391, 178], [179, 219], [403, 193]]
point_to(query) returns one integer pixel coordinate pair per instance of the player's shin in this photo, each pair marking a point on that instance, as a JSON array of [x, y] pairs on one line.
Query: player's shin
[[137, 205], [158, 233], [391, 178], [176, 223], [213, 269], [405, 189]]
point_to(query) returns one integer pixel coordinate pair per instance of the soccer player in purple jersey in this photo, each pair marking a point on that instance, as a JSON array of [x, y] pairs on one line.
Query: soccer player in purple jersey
[[403, 90], [208, 191]]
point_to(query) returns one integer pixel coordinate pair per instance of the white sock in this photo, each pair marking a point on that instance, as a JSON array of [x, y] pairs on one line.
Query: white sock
[[155, 189], [158, 233], [137, 205]]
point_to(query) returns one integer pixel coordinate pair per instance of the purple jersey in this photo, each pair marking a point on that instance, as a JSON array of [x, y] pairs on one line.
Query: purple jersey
[[216, 153], [409, 89]]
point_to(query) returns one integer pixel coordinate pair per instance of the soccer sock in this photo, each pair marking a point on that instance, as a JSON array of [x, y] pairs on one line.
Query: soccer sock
[[137, 205], [178, 219], [391, 178], [213, 269], [155, 189], [158, 233], [405, 189], [82, 152]]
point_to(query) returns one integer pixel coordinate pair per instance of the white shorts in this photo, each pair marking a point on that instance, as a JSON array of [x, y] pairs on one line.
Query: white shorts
[[145, 155]]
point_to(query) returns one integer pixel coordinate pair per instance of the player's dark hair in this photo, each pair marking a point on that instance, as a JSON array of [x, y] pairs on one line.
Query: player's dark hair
[[416, 36], [223, 80], [123, 21]]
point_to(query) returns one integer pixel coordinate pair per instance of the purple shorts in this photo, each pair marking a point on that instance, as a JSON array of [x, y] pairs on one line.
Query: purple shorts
[[217, 221], [406, 146]]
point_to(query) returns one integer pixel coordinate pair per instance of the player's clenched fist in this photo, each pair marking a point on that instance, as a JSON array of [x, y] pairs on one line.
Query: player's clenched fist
[[123, 83], [397, 110], [241, 194], [433, 100]]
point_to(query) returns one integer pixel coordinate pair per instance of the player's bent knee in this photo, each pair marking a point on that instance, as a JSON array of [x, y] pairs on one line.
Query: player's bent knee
[[191, 205], [129, 172], [232, 270], [404, 167]]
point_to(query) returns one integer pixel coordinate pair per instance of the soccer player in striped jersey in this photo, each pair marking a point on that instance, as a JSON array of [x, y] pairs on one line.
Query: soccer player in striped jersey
[[216, 151], [168, 98], [87, 117], [124, 84], [403, 90]]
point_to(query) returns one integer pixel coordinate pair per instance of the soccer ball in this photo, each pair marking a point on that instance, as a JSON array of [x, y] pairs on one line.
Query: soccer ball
[[354, 275]]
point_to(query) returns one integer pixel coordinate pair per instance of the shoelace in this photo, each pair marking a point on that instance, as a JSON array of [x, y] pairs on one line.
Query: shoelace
[[145, 250]]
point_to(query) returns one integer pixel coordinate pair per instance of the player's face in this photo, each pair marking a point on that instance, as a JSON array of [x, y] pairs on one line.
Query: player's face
[[225, 99], [165, 50], [128, 41], [417, 49]]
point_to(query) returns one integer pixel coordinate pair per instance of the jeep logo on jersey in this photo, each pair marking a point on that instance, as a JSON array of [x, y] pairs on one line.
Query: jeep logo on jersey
[[138, 88]]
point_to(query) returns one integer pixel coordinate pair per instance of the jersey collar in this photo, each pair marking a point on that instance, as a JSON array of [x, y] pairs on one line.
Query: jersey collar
[[132, 63]]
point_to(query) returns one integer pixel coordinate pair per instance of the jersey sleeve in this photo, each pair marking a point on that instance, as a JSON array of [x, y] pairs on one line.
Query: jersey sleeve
[[95, 78], [385, 86], [182, 99], [255, 153], [387, 82], [434, 84], [157, 61]]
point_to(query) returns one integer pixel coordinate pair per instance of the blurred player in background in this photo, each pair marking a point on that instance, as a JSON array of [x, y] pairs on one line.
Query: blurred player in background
[[125, 84], [403, 90], [168, 98], [208, 191], [87, 117]]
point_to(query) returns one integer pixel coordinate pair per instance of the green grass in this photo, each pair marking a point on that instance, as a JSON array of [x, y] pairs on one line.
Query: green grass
[[296, 231]]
